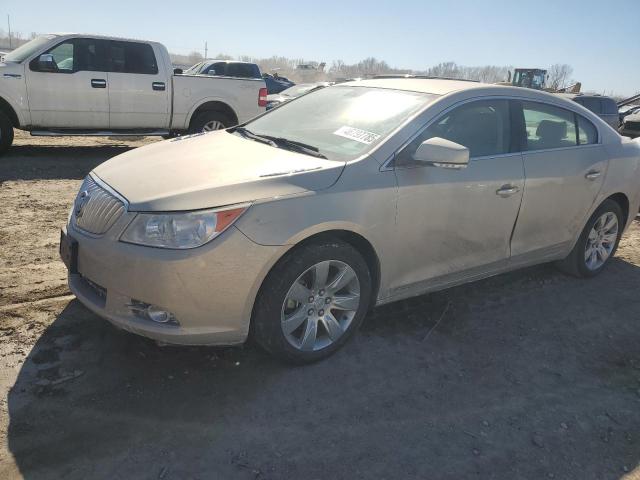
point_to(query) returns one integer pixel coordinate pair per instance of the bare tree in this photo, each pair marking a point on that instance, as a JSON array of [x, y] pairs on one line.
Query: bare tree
[[559, 75]]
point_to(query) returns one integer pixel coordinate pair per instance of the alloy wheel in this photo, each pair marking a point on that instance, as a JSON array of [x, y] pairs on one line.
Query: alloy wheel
[[212, 125], [601, 240], [320, 305]]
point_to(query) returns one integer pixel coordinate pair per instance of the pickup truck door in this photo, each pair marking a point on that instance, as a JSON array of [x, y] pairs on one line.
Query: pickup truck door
[[139, 87], [71, 93]]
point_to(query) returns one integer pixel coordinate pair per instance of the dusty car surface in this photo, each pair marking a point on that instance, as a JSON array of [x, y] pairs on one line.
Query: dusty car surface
[[290, 227]]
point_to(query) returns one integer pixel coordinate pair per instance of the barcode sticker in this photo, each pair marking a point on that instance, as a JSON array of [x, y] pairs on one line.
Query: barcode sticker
[[356, 134]]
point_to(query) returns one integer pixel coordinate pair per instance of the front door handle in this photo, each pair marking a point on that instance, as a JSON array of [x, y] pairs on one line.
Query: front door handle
[[158, 86], [507, 190], [98, 83], [592, 174]]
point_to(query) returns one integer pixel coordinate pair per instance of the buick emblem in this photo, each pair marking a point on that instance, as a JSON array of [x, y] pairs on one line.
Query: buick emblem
[[83, 198]]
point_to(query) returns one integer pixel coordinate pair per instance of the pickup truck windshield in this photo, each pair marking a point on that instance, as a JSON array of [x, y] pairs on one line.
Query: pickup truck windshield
[[341, 122], [23, 52]]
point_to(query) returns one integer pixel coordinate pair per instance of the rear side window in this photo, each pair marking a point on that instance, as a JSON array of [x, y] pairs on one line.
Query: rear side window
[[548, 126], [243, 70], [132, 57], [609, 106], [482, 126], [587, 132], [590, 103]]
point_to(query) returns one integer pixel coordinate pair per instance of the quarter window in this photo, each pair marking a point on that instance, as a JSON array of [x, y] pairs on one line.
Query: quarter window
[[132, 57], [587, 132], [548, 127], [481, 126]]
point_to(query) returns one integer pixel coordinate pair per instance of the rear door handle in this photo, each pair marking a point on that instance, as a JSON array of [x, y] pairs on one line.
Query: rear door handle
[[98, 83], [593, 174], [158, 86], [507, 190]]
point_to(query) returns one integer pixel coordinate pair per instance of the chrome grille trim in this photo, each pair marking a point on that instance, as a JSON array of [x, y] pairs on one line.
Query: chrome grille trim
[[95, 210]]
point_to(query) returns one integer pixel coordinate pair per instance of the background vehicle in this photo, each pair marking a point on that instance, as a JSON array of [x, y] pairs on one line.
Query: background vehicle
[[631, 125], [605, 107], [276, 83], [225, 68], [407, 186], [94, 85], [294, 92]]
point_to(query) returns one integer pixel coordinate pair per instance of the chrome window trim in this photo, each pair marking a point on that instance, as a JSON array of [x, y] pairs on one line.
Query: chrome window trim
[[387, 164]]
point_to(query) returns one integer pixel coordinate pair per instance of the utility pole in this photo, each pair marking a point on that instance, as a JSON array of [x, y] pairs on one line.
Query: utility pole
[[9, 25], [205, 50]]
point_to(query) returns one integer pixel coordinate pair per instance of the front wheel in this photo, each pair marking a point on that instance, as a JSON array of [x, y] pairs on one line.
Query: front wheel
[[312, 302], [598, 242]]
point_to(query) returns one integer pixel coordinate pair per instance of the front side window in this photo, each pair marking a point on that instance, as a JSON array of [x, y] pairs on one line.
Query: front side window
[[77, 55], [346, 121], [218, 69], [132, 57], [482, 126], [548, 126]]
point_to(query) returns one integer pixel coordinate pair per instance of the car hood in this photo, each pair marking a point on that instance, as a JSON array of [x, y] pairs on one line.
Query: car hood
[[634, 117], [276, 97], [211, 170]]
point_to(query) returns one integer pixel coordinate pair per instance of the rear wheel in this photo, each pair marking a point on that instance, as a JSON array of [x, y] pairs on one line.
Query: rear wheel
[[209, 121], [312, 302], [6, 133], [598, 242]]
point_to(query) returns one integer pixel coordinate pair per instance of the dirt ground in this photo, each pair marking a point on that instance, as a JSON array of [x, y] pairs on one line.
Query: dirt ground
[[528, 375]]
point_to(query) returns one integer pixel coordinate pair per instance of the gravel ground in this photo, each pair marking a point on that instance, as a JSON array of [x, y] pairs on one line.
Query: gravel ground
[[528, 375]]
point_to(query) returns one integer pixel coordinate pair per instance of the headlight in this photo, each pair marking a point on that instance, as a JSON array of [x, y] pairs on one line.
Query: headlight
[[180, 230]]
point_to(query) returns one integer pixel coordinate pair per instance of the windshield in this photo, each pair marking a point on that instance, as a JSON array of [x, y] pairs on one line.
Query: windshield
[[298, 90], [23, 52], [341, 122]]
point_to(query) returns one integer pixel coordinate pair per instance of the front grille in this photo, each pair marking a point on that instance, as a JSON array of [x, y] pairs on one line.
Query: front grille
[[632, 125], [95, 210]]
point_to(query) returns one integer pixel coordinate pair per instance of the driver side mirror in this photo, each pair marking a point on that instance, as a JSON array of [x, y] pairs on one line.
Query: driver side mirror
[[440, 152], [46, 63]]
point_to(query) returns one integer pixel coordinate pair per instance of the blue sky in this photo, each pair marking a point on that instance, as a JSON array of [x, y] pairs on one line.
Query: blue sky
[[598, 38]]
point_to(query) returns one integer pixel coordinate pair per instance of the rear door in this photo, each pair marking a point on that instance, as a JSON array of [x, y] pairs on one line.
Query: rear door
[[74, 95], [564, 167], [138, 87]]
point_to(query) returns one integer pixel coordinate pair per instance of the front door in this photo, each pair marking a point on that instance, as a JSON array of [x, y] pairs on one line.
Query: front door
[[455, 224], [71, 93], [564, 169]]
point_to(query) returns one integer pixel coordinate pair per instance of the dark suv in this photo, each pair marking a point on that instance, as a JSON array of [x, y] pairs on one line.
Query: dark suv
[[605, 107], [225, 68]]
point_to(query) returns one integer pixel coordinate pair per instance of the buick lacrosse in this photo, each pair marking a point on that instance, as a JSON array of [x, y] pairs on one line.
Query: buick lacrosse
[[290, 227]]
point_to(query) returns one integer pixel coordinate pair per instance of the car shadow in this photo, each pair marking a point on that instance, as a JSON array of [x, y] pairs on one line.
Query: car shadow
[[29, 162], [530, 374]]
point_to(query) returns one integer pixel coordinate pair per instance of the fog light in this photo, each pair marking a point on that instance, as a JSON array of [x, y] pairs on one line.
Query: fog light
[[158, 315], [154, 313]]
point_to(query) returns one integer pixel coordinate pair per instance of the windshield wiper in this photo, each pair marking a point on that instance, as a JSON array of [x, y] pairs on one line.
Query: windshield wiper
[[295, 145], [258, 138]]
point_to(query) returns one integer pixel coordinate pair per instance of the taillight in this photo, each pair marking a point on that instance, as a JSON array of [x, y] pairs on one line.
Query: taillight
[[262, 97]]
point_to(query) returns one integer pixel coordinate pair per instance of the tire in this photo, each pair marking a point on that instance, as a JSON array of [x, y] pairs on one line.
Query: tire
[[6, 133], [578, 263], [200, 121], [274, 307]]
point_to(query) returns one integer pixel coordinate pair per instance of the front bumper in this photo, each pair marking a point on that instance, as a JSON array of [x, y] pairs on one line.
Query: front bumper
[[210, 290]]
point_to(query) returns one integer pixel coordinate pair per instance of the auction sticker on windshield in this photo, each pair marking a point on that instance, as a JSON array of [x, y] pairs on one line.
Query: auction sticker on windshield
[[353, 133]]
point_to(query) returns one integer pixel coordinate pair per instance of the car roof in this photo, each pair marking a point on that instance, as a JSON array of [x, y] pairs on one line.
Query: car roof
[[226, 61], [433, 86]]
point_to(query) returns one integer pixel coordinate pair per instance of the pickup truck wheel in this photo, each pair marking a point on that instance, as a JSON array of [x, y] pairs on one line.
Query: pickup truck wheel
[[209, 121], [6, 133]]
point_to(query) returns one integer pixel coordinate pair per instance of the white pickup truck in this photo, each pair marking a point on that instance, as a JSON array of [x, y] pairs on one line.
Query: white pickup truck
[[92, 85]]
